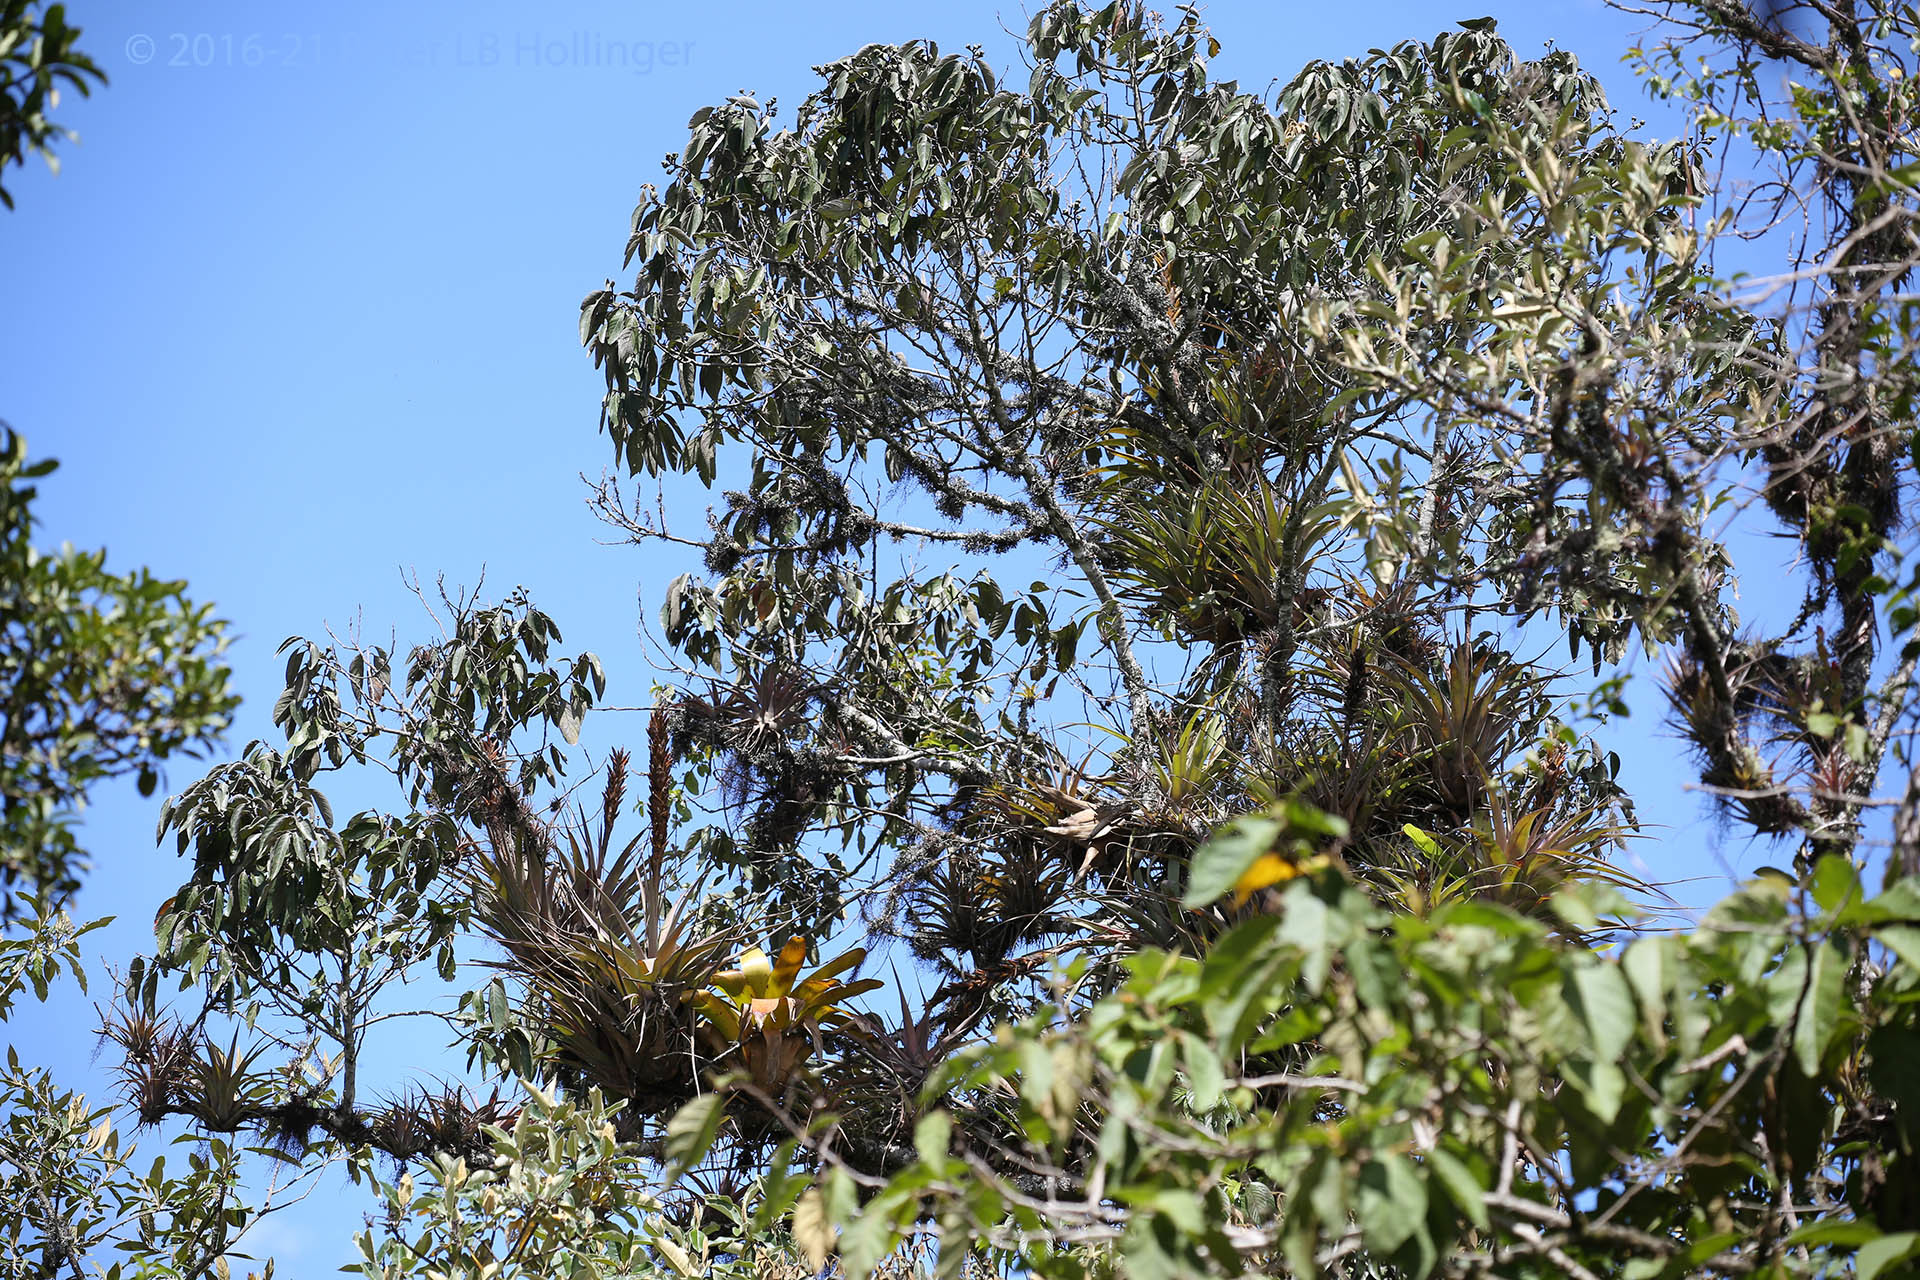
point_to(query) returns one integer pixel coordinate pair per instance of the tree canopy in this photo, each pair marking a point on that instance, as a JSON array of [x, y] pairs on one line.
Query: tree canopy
[[37, 56], [1145, 507], [102, 675]]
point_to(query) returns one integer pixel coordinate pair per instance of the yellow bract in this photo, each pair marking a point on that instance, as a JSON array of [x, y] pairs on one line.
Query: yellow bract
[[1270, 869], [772, 1015]]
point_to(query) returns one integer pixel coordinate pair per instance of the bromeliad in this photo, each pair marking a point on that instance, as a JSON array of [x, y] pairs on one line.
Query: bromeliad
[[772, 1015]]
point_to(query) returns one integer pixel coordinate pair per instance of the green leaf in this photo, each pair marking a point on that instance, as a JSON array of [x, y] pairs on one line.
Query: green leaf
[[812, 1230], [1848, 1231], [1901, 901], [1835, 883], [1461, 1186], [1877, 1255], [691, 1133], [1821, 1014], [1306, 925], [1584, 905], [1600, 997], [1601, 1085], [1422, 841], [932, 1136], [1220, 862], [1903, 940], [1389, 1201], [1206, 1076], [1645, 965]]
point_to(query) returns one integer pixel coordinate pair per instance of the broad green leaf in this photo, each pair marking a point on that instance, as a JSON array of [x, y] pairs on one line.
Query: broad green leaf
[[1220, 862], [1899, 902], [1876, 1256], [1601, 1084], [692, 1131], [1835, 884], [932, 1136], [1851, 1231], [1600, 997], [1903, 940], [1646, 964], [1805, 994], [1389, 1200], [812, 1230], [1462, 1187], [1206, 1075]]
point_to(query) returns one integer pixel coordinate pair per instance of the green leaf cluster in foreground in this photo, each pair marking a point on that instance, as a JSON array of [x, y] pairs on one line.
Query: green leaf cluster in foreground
[[1479, 1095]]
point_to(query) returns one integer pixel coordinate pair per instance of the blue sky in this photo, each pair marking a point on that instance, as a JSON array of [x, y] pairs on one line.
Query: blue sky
[[300, 313]]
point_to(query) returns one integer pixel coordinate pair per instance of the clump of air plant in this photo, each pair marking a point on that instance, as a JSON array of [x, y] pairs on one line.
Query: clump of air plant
[[985, 908], [603, 957], [288, 1127], [157, 1061], [1714, 715], [453, 1123], [400, 1127], [221, 1090]]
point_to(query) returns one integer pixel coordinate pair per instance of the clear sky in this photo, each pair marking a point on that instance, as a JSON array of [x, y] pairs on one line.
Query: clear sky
[[300, 312]]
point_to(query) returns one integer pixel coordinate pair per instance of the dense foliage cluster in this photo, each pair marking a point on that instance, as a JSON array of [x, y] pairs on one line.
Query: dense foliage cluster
[[1146, 504], [101, 675], [37, 56]]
